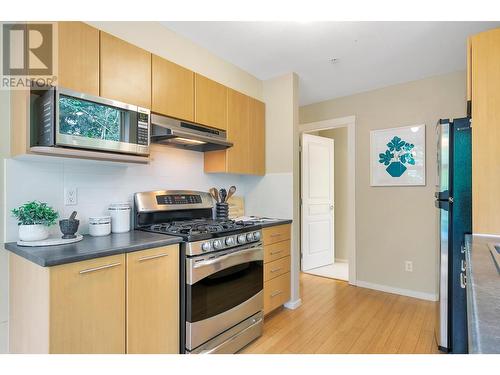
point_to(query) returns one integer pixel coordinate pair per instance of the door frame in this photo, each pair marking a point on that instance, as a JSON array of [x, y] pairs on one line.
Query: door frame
[[348, 122]]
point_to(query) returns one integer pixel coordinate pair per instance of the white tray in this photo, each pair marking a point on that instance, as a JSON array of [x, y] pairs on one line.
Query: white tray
[[52, 241]]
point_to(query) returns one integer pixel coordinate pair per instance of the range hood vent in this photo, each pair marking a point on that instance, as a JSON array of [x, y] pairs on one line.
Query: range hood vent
[[186, 135]]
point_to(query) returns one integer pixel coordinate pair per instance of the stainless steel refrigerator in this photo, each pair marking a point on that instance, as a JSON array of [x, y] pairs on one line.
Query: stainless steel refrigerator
[[454, 201]]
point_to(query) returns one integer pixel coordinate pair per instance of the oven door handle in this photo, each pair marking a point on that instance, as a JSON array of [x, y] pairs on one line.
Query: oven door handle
[[197, 271]]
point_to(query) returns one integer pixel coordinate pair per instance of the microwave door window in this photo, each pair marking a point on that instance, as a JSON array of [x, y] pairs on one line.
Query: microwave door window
[[88, 119]]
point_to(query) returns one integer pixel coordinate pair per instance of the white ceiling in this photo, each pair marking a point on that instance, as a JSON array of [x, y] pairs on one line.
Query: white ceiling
[[370, 54]]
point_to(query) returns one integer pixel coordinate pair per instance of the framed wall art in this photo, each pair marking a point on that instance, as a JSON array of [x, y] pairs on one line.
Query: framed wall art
[[397, 156]]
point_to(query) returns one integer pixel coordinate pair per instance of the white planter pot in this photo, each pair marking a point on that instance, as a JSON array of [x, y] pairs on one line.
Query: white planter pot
[[35, 232]]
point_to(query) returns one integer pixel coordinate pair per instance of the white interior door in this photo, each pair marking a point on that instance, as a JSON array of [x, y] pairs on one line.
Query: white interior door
[[317, 201]]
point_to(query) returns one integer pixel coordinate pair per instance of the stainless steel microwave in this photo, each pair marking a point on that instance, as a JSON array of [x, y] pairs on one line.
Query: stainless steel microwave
[[67, 118]]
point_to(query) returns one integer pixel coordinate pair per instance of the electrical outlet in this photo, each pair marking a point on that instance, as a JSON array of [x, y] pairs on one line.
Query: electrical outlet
[[70, 197], [408, 266]]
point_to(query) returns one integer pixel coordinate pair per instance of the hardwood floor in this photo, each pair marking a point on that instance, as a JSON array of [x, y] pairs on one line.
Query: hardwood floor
[[338, 318]]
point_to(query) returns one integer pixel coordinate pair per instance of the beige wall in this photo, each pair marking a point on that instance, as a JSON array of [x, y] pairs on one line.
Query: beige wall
[[395, 224], [339, 135], [163, 42]]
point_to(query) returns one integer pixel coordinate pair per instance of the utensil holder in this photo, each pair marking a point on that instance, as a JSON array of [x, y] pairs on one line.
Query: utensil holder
[[221, 211]]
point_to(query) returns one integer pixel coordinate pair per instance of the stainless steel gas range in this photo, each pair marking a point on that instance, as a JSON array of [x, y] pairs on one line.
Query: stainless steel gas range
[[221, 268]]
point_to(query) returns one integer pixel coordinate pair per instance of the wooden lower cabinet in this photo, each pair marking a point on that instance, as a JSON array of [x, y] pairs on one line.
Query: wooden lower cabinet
[[276, 266], [276, 292], [87, 302], [153, 301], [117, 304]]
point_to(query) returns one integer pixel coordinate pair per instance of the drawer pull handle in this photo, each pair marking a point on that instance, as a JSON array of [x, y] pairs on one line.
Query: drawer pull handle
[[276, 269], [276, 293], [99, 268], [276, 252], [275, 235], [152, 257]]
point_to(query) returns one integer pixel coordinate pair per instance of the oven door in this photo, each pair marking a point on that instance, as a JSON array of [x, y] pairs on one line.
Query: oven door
[[91, 122], [222, 290]]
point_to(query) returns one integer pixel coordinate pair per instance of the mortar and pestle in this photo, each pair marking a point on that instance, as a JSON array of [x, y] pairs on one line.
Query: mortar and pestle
[[69, 226]]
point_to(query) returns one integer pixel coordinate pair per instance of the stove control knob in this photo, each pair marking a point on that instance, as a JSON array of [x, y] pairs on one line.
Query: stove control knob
[[205, 246], [218, 244], [249, 237], [230, 241], [256, 236], [242, 239]]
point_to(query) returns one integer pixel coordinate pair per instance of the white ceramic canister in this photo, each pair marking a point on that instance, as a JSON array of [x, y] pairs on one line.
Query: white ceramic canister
[[99, 226], [120, 217]]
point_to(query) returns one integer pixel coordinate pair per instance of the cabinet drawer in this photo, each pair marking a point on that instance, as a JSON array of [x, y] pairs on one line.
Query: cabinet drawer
[[276, 234], [276, 292], [276, 268], [276, 251]]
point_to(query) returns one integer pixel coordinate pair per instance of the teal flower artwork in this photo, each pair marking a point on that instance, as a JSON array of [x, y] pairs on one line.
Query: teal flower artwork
[[398, 153]]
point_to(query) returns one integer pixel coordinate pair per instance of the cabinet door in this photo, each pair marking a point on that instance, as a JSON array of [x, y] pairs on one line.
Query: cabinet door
[[210, 102], [78, 57], [125, 72], [257, 137], [87, 306], [486, 131], [173, 89], [153, 301], [237, 132]]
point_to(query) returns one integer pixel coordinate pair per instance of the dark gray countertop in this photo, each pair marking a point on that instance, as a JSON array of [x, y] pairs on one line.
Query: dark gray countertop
[[483, 295], [92, 247], [267, 222]]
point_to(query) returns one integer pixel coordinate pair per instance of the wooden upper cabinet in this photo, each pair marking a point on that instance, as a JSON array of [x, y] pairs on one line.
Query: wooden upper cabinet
[[210, 102], [153, 301], [87, 306], [78, 57], [485, 84], [125, 71], [257, 137], [246, 130], [172, 89], [237, 132]]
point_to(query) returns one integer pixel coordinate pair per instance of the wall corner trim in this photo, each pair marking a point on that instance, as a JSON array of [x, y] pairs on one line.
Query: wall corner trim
[[400, 291], [292, 305]]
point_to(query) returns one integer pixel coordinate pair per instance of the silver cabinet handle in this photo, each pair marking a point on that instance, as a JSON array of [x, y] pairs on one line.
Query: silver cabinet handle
[[275, 235], [275, 252], [152, 257], [276, 293], [276, 269], [99, 268], [463, 280]]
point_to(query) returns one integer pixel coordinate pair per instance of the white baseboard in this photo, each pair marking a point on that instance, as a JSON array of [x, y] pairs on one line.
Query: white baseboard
[[403, 292], [292, 305], [340, 260]]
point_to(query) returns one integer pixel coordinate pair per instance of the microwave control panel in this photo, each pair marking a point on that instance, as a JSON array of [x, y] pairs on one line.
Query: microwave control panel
[[143, 129]]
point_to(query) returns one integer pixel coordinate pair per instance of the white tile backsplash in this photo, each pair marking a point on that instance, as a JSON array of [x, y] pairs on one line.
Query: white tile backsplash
[[98, 183]]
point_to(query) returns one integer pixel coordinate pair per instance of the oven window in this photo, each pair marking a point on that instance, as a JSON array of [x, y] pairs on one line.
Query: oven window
[[90, 120], [223, 290]]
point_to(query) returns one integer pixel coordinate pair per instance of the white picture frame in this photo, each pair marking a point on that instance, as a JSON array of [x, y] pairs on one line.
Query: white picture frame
[[397, 156]]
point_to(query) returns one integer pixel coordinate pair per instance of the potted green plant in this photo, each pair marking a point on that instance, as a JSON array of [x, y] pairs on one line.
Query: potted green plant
[[34, 219]]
